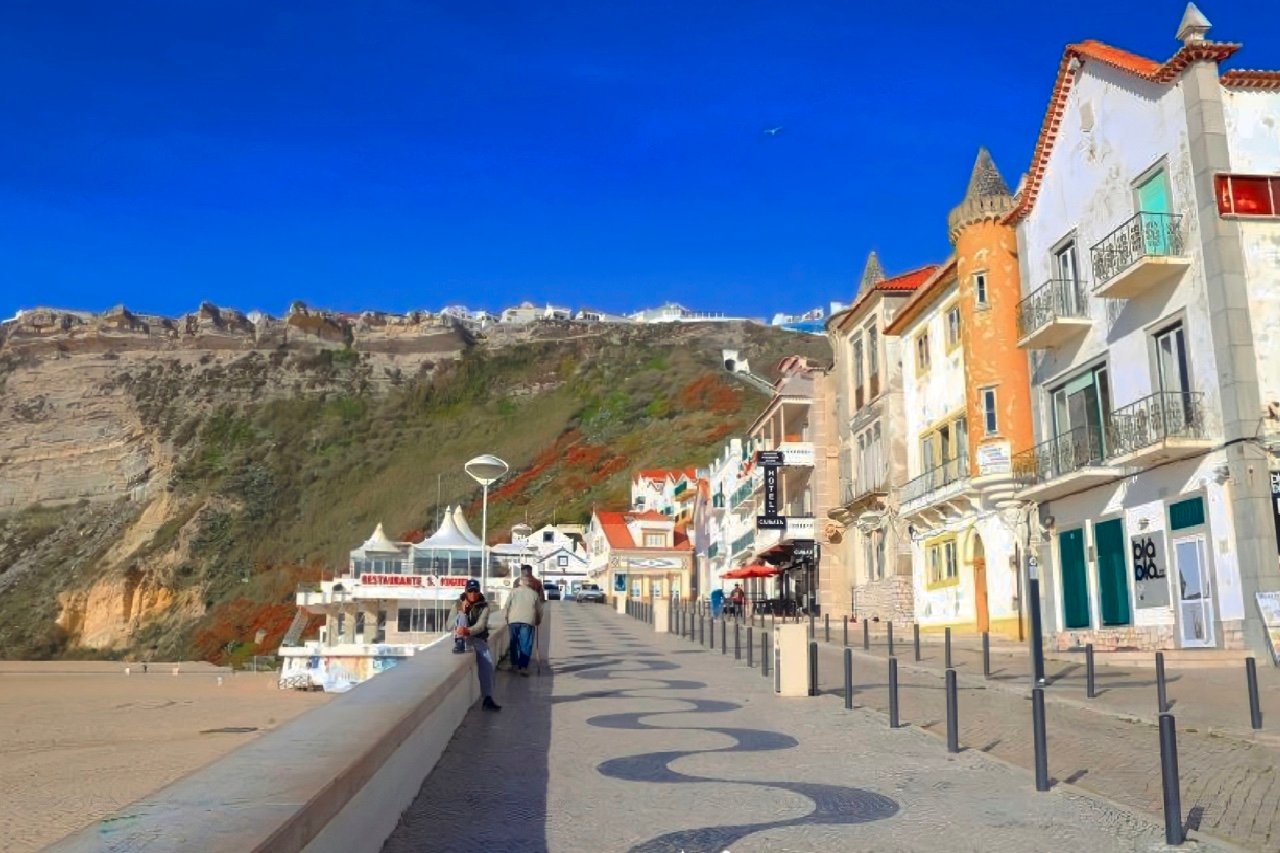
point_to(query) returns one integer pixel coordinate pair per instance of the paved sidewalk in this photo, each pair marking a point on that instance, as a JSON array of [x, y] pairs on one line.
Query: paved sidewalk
[[650, 743], [1230, 774]]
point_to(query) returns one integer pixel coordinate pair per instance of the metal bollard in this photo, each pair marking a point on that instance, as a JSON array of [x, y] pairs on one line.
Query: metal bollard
[[702, 630], [986, 655], [1169, 780], [813, 667], [890, 639], [893, 693], [953, 713], [751, 649], [777, 669], [724, 637], [916, 632], [866, 635], [848, 677], [1090, 688], [764, 655], [846, 632], [946, 656], [826, 627], [712, 634], [1251, 677], [1041, 744], [1161, 696]]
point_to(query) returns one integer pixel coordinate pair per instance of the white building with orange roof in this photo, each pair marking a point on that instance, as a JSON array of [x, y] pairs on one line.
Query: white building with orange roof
[[642, 554], [1149, 244]]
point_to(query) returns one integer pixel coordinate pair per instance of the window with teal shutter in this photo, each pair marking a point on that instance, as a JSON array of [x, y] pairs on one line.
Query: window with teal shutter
[[1188, 513]]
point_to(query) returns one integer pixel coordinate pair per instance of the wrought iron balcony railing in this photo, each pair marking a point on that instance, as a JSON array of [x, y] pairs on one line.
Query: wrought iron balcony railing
[[1056, 299], [717, 500], [870, 481], [742, 542], [1160, 416], [1146, 235], [1061, 455], [950, 471]]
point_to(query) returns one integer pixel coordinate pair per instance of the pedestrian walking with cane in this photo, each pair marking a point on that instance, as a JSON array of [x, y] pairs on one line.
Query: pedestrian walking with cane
[[524, 614]]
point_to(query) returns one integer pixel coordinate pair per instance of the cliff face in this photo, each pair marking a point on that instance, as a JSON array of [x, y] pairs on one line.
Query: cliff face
[[164, 484]]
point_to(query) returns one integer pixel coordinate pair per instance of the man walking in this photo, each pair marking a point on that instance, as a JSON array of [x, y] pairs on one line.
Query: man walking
[[476, 631], [524, 612]]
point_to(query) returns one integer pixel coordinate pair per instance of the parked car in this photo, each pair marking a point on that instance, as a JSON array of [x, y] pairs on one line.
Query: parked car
[[591, 592], [552, 591]]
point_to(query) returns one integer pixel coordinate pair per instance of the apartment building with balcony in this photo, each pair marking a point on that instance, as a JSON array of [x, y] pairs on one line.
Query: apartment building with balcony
[[1149, 247], [670, 492], [716, 527], [965, 404], [871, 446]]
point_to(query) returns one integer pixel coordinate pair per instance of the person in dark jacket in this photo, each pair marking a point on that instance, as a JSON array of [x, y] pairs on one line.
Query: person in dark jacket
[[476, 632]]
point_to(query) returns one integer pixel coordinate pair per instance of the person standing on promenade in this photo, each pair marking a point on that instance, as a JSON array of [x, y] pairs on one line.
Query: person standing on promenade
[[459, 621], [524, 612], [476, 631]]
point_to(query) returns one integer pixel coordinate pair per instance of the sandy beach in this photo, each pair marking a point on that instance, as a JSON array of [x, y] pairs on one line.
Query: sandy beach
[[80, 740]]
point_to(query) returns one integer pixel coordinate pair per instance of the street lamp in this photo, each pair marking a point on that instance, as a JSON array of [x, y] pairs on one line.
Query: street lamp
[[484, 470]]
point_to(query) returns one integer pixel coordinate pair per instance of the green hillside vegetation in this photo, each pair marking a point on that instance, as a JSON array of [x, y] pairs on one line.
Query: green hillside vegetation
[[282, 490]]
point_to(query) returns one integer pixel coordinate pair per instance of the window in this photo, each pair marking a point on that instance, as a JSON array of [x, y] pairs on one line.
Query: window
[[953, 327], [562, 560], [548, 536], [1081, 408], [1066, 269], [989, 422], [980, 289], [1171, 361], [873, 361], [943, 566], [922, 352], [411, 619], [1248, 195], [654, 540], [857, 372], [873, 555]]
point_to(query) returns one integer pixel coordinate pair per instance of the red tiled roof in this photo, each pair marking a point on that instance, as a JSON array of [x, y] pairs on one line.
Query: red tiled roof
[[1139, 66], [904, 283], [647, 515], [925, 293], [614, 525], [1250, 78]]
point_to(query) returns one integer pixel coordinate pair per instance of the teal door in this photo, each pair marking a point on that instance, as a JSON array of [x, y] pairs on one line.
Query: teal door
[[1113, 578], [1154, 210], [1075, 587]]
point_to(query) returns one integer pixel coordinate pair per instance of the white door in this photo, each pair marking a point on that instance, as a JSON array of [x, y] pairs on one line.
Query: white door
[[1195, 602]]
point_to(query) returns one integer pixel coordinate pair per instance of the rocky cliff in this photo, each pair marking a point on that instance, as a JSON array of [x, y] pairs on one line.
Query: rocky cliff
[[165, 483]]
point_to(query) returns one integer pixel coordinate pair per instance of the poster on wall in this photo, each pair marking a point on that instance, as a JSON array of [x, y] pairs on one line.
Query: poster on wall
[[1150, 570], [993, 457], [1269, 607], [619, 582]]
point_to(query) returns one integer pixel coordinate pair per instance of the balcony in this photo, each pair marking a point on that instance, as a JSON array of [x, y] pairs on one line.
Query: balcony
[[938, 485], [1053, 314], [1142, 254], [742, 546], [743, 496], [796, 453], [1159, 428], [718, 501], [871, 484], [1067, 463]]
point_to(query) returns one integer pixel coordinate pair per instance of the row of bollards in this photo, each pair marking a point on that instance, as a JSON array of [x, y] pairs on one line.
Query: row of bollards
[[770, 666]]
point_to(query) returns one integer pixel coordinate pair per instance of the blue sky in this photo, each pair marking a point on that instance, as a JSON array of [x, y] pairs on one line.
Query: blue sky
[[398, 155]]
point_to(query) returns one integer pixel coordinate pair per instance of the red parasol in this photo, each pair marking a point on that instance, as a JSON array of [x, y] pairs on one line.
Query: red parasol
[[756, 570]]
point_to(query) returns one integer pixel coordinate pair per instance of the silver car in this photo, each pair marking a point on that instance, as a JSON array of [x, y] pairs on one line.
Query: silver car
[[590, 592]]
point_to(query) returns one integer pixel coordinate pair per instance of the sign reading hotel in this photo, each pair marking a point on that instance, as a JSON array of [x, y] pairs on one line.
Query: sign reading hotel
[[770, 520], [418, 581]]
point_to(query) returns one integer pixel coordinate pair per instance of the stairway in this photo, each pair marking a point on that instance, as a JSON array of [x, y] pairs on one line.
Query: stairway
[[296, 628]]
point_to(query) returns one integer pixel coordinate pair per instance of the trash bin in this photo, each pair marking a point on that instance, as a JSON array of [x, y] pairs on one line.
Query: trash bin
[[717, 603]]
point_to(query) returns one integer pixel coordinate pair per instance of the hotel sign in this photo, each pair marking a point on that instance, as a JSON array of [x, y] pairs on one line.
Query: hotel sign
[[417, 581]]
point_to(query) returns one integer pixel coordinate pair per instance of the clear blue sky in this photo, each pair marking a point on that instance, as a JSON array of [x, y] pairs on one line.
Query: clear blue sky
[[396, 155]]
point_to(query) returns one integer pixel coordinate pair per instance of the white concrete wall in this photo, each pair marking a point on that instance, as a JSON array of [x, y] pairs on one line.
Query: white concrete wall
[[1253, 140], [1087, 188], [940, 391]]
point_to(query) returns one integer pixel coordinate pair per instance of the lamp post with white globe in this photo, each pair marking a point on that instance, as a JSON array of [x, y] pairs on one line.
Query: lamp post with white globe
[[484, 470]]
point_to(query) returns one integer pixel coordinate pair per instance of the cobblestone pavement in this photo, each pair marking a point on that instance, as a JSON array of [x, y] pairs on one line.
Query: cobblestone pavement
[[637, 742], [1230, 775]]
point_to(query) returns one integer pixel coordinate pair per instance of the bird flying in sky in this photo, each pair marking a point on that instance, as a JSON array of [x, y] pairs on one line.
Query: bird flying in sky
[[772, 131]]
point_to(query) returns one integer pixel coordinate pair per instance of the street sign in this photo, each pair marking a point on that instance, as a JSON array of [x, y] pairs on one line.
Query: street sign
[[771, 522], [770, 490], [768, 457]]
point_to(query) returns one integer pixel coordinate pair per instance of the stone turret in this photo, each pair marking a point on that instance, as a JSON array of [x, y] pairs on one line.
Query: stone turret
[[1193, 27], [988, 197], [872, 273]]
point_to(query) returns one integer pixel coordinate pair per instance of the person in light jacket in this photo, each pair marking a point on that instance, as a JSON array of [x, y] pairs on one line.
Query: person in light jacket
[[524, 612], [476, 631]]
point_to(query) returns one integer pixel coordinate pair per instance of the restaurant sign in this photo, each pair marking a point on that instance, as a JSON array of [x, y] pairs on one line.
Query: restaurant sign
[[418, 581]]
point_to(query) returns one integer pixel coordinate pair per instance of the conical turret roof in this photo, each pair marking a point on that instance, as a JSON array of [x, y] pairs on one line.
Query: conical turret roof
[[872, 273], [379, 543], [987, 196]]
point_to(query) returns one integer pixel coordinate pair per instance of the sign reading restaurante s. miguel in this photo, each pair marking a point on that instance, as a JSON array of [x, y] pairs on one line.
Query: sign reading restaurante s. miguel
[[414, 580]]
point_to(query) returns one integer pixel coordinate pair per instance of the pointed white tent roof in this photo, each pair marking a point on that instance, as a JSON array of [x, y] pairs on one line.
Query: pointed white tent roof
[[448, 535], [379, 542], [460, 521]]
